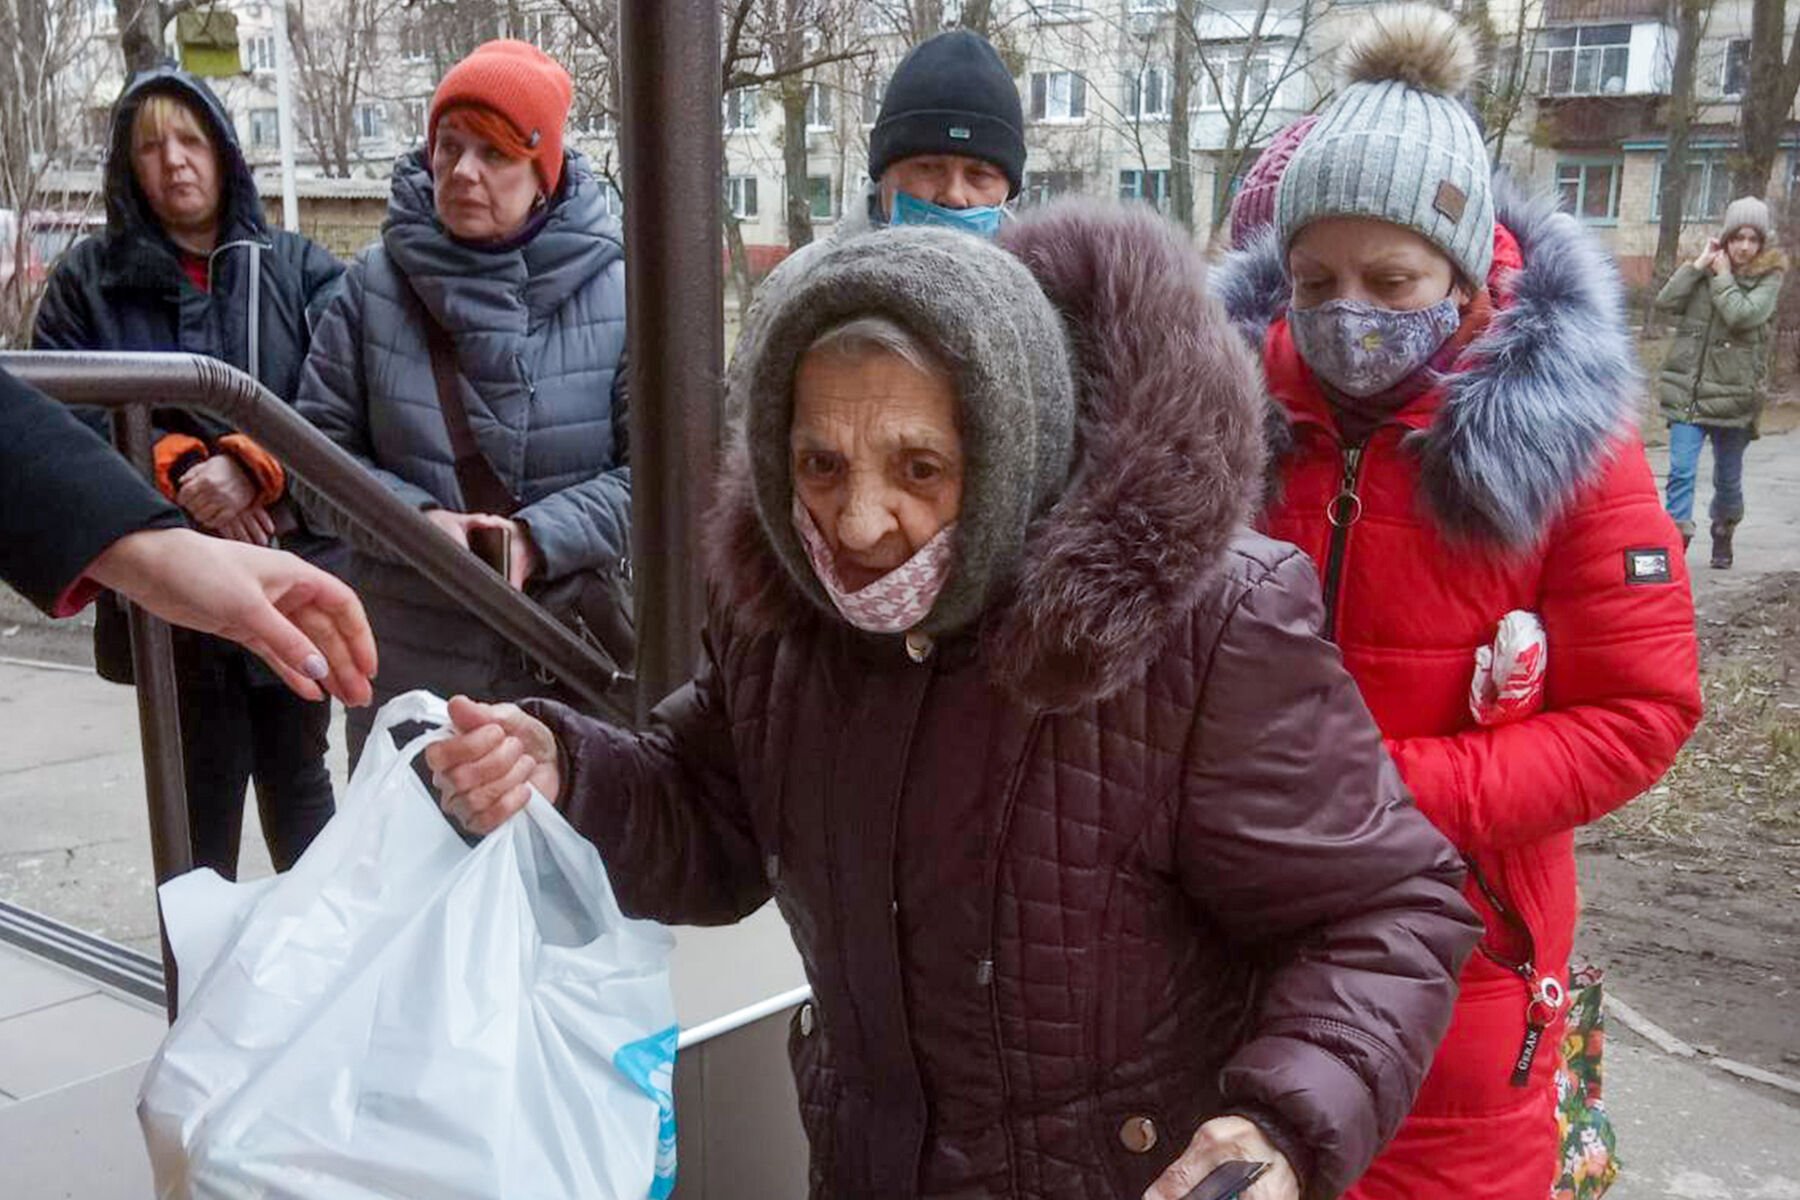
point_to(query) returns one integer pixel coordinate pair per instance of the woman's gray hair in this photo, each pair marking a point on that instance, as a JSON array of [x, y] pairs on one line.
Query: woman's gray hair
[[872, 333]]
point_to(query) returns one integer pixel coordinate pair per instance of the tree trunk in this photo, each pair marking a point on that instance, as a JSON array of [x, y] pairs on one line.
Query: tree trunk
[[978, 15], [1689, 18], [793, 159], [1181, 160], [140, 33], [741, 281], [1769, 97]]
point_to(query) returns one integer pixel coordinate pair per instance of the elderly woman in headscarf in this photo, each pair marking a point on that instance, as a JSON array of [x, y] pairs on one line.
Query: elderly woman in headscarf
[[1090, 849]]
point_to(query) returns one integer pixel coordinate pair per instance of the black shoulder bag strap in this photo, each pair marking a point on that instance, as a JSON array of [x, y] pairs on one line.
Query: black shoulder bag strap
[[481, 487]]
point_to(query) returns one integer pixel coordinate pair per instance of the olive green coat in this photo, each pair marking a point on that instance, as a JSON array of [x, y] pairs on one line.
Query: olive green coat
[[1716, 372]]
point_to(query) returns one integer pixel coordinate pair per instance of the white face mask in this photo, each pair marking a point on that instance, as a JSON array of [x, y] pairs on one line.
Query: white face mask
[[896, 602]]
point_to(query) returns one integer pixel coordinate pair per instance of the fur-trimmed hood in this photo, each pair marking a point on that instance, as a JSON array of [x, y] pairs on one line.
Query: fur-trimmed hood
[[1549, 387], [1168, 461], [1773, 258]]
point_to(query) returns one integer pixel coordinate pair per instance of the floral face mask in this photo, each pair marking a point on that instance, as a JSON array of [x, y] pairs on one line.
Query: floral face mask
[[896, 602], [1361, 349]]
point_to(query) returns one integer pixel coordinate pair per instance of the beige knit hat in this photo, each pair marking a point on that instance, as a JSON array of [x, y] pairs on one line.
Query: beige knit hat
[[1746, 210]]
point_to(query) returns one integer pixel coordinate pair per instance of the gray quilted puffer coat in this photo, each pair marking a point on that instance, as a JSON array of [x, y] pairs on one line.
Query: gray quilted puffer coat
[[540, 347], [1121, 855]]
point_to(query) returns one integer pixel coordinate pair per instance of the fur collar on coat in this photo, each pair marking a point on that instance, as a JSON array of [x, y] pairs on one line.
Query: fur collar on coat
[[1168, 461], [1552, 384]]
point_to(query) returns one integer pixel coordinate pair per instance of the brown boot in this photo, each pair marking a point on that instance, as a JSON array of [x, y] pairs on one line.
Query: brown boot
[[1721, 544]]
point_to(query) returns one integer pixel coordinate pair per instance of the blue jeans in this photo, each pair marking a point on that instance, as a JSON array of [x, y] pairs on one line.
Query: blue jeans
[[1728, 470]]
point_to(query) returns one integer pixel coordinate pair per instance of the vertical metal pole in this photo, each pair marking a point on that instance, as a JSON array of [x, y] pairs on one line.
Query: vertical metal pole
[[669, 53], [284, 118], [159, 719]]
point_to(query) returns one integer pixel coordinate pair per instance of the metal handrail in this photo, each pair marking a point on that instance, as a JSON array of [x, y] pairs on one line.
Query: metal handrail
[[195, 382], [130, 385]]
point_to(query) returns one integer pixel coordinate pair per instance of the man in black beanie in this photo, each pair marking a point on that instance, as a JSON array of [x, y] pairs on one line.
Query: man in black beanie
[[949, 145]]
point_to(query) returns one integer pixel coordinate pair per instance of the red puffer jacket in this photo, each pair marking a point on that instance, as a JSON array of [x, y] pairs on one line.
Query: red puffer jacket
[[1518, 484]]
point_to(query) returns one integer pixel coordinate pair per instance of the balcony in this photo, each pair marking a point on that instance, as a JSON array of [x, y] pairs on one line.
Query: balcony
[[1594, 12], [1576, 122]]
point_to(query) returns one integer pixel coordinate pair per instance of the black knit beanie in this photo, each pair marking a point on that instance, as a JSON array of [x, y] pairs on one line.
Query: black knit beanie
[[951, 95]]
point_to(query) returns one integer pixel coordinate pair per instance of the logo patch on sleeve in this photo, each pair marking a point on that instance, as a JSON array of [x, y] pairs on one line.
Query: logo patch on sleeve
[[1649, 565]]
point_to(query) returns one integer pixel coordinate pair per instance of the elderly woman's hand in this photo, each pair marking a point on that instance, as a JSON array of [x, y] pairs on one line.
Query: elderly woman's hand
[[1219, 1141], [486, 772]]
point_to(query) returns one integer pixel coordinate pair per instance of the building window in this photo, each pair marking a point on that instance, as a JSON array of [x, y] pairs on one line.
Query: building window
[[259, 52], [1707, 193], [1147, 95], [412, 42], [740, 109], [612, 204], [1590, 190], [1589, 61], [1044, 185], [265, 130], [413, 113], [740, 194], [1152, 5], [368, 122], [821, 200], [1268, 78], [818, 108], [1735, 77], [1152, 187], [594, 121], [1058, 96]]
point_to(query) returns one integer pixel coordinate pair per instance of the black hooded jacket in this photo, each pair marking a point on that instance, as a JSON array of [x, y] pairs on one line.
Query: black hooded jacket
[[126, 290]]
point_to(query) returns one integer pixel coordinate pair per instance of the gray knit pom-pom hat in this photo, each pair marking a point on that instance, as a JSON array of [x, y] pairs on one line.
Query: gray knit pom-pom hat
[[1396, 144], [983, 313]]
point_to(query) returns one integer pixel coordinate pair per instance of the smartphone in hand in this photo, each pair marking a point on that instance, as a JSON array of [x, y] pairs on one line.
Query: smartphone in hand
[[493, 546], [1227, 1180]]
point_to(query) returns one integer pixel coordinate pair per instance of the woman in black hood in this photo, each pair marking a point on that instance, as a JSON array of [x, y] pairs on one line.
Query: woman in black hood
[[187, 263]]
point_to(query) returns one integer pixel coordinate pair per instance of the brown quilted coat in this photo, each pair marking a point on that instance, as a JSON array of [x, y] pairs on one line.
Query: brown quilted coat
[[1201, 887]]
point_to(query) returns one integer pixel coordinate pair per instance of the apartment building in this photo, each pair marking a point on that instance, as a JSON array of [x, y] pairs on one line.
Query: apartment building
[[1598, 79]]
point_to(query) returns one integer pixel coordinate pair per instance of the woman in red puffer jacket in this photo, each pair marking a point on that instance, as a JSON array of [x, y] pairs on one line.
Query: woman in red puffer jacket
[[1461, 399]]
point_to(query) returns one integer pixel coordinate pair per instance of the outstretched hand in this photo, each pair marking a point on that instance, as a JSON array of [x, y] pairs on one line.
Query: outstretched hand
[[306, 624], [486, 772], [1219, 1141]]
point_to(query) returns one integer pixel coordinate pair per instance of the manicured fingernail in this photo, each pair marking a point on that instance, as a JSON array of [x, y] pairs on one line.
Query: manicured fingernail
[[315, 667]]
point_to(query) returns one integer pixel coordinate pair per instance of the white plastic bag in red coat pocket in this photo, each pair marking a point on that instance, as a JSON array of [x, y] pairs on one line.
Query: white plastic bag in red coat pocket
[[1509, 675]]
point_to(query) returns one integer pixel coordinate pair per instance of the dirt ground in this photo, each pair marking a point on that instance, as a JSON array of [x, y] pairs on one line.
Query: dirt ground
[[1692, 892]]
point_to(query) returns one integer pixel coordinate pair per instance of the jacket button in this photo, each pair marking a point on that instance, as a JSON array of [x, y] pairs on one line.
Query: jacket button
[[807, 1019], [1138, 1135]]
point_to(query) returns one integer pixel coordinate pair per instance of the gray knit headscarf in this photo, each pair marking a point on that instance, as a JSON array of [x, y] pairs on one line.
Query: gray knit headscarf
[[979, 309]]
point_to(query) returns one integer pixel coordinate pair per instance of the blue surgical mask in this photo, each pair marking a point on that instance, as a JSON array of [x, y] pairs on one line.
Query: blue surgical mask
[[983, 221], [1362, 349]]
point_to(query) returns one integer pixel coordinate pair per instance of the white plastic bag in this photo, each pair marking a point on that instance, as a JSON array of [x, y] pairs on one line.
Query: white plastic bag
[[403, 1016]]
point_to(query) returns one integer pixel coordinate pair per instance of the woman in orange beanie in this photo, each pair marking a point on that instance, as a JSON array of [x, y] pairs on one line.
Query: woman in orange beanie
[[498, 245]]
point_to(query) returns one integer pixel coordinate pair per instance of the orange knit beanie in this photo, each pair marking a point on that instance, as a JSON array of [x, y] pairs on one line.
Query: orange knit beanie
[[521, 83]]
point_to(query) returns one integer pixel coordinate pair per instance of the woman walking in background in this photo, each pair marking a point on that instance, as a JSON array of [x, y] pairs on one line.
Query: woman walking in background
[[495, 300], [1714, 380]]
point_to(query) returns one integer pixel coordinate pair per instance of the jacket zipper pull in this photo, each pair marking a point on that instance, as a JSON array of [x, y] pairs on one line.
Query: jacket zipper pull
[[1546, 1002]]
